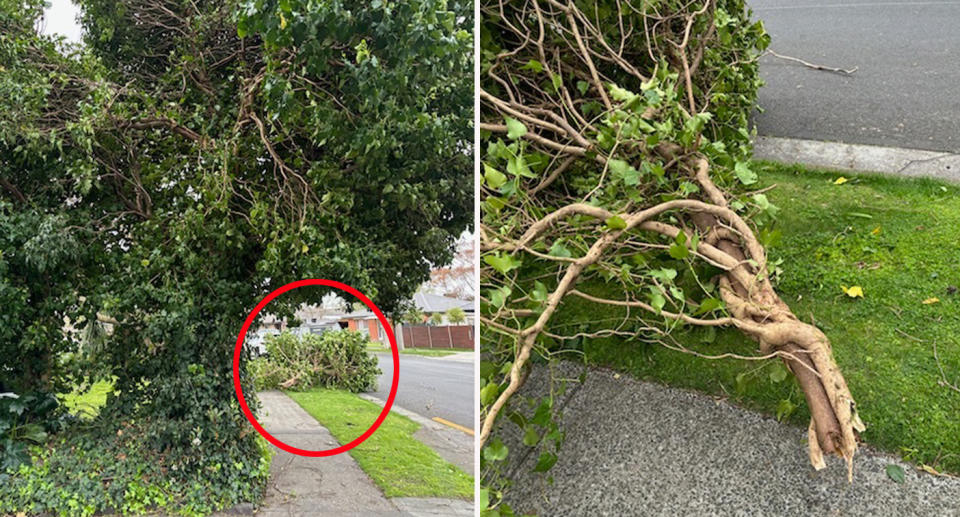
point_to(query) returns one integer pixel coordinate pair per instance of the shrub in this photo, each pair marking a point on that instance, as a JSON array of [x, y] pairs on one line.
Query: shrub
[[331, 360]]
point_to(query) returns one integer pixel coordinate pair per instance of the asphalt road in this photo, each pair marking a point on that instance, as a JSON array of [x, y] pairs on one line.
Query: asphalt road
[[906, 92], [431, 387]]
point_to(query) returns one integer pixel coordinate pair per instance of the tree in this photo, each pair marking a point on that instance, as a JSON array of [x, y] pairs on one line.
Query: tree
[[456, 315], [195, 156], [436, 318], [616, 171], [457, 279]]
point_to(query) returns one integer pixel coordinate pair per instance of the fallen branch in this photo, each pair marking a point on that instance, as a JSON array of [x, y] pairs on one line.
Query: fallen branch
[[813, 65]]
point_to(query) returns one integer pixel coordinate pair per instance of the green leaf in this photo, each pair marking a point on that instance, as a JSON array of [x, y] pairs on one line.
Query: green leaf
[[515, 128], [33, 433], [744, 174], [778, 374], [657, 301], [483, 499], [708, 305], [503, 262], [545, 462], [616, 223], [582, 87], [496, 450], [679, 251], [493, 177], [559, 250], [517, 166], [489, 393], [664, 274], [498, 297], [539, 293], [896, 473], [785, 408], [534, 65], [530, 436], [624, 172]]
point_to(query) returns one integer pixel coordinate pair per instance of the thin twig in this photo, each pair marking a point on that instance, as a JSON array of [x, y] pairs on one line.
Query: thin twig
[[813, 65]]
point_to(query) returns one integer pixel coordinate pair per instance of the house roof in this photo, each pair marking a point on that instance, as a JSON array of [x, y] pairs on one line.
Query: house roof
[[429, 303]]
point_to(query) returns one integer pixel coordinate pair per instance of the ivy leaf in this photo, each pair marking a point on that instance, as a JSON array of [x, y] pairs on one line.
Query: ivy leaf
[[744, 174], [493, 177], [496, 451], [708, 305], [539, 293], [679, 251], [624, 172], [616, 223], [657, 301], [530, 436], [557, 249], [534, 65], [503, 263], [545, 462], [778, 374], [785, 408], [896, 473], [489, 393], [515, 128]]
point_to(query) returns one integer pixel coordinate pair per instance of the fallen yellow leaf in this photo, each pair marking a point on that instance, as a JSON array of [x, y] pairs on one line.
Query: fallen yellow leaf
[[854, 291], [928, 301], [876, 231], [840, 181]]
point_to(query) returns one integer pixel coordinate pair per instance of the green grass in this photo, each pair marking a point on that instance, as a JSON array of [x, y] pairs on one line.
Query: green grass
[[427, 352], [397, 462], [884, 342], [87, 404]]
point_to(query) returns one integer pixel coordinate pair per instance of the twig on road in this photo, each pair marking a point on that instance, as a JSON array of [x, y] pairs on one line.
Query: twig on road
[[813, 65]]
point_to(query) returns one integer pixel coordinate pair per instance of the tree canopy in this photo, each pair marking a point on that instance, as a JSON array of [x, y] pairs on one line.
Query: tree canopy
[[193, 156]]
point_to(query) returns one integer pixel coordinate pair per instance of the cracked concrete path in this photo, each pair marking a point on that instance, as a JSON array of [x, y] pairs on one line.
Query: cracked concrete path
[[332, 485], [639, 448]]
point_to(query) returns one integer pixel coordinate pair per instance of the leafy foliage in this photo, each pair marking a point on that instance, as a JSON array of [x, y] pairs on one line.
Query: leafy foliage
[[337, 359], [591, 112], [192, 157]]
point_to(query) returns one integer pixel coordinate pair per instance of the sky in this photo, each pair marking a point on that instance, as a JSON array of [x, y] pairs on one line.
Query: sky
[[61, 18]]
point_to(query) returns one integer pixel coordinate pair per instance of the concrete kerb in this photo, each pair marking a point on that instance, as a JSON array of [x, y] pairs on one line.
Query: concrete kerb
[[860, 158], [451, 444]]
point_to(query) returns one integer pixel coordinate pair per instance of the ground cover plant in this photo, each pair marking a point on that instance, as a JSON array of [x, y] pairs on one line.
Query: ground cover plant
[[394, 459], [895, 239], [335, 359], [158, 181], [617, 149]]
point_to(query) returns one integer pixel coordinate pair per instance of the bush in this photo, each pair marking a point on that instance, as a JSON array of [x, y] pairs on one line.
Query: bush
[[331, 360], [90, 471]]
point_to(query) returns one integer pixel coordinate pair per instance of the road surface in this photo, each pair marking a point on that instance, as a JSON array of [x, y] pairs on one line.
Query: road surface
[[431, 387], [905, 92]]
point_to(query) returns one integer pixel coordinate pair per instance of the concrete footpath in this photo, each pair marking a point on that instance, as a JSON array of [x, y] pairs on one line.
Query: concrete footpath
[[298, 485], [333, 485], [638, 448]]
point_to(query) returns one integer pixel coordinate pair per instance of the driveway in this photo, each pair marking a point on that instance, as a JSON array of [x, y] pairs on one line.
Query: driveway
[[904, 93], [431, 387]]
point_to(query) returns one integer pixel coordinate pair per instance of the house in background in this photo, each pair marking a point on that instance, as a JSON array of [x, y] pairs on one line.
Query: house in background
[[334, 314], [426, 303]]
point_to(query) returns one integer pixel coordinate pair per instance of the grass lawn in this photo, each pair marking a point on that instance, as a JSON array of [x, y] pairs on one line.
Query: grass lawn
[[899, 240], [396, 461], [428, 352]]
